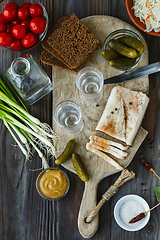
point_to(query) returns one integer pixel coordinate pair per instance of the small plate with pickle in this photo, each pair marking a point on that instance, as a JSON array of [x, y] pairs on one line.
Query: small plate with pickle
[[123, 49]]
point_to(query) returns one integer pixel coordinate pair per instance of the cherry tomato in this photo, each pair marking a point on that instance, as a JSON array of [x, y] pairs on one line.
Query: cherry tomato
[[9, 13], [36, 10], [29, 39], [37, 25], [15, 21], [2, 19], [27, 4], [9, 28], [13, 4], [5, 39], [26, 24], [18, 31], [16, 44], [3, 27], [23, 13]]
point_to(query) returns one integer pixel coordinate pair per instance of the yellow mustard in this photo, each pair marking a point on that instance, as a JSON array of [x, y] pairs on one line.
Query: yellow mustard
[[53, 184]]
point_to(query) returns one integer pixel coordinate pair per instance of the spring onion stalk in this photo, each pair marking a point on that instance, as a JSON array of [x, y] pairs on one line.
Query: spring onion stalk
[[4, 98], [28, 132], [41, 131], [18, 124], [31, 125], [19, 134], [19, 144], [44, 161], [8, 93]]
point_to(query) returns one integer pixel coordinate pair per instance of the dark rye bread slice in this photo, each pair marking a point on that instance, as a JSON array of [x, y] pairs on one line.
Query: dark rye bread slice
[[47, 47], [44, 43], [51, 60], [73, 41]]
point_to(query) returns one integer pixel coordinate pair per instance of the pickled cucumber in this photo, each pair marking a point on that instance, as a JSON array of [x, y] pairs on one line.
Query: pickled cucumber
[[133, 43], [110, 54], [122, 62], [67, 153], [122, 49], [79, 167]]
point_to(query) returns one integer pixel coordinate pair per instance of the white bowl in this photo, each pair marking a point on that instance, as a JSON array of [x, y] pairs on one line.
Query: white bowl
[[132, 226]]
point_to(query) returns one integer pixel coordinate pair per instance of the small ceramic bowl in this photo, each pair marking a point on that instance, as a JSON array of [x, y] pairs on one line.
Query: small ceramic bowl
[[136, 21], [118, 209], [52, 183], [117, 34]]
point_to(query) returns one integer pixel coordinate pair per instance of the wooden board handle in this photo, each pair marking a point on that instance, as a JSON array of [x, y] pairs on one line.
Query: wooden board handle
[[89, 201]]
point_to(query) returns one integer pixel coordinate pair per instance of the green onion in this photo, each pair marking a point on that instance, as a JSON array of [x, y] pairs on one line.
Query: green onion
[[25, 128], [19, 144]]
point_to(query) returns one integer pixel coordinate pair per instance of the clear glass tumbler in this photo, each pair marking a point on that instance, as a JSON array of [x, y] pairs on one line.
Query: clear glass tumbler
[[68, 115], [90, 83]]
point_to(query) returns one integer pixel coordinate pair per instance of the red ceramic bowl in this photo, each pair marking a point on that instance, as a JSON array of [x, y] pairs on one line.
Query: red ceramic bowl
[[136, 21]]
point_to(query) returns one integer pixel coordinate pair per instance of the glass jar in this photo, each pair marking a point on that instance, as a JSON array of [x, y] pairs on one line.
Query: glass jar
[[123, 33], [29, 79]]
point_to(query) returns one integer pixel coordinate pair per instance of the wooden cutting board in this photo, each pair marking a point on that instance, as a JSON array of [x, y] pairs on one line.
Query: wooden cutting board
[[64, 88]]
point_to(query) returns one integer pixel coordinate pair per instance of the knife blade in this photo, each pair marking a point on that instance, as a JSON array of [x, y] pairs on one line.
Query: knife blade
[[139, 72]]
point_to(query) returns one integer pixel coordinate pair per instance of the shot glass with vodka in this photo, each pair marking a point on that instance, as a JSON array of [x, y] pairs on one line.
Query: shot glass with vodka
[[68, 115], [89, 81]]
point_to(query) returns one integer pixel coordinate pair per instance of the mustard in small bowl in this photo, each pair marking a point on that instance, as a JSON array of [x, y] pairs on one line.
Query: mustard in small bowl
[[52, 184]]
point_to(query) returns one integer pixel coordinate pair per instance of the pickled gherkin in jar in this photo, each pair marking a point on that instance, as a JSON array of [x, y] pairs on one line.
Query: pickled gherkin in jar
[[122, 62], [110, 54], [121, 49], [133, 43]]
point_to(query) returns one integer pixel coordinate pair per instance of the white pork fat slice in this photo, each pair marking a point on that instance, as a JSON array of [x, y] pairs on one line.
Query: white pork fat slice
[[112, 120], [123, 114]]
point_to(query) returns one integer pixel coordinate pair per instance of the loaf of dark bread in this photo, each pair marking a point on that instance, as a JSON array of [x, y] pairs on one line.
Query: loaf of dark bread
[[49, 59], [73, 41]]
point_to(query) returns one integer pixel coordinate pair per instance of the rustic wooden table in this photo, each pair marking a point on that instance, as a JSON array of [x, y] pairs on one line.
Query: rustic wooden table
[[24, 215]]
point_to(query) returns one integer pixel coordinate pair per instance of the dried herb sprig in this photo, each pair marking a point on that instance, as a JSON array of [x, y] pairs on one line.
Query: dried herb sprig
[[149, 167], [143, 214]]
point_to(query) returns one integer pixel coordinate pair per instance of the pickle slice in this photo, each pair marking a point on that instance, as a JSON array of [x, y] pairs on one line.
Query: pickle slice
[[133, 43], [79, 167], [122, 49], [67, 153]]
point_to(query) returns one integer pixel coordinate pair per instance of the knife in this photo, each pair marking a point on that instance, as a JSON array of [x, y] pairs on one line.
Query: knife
[[139, 72]]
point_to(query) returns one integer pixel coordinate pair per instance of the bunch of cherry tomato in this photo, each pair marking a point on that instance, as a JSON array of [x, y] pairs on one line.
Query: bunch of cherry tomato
[[20, 26]]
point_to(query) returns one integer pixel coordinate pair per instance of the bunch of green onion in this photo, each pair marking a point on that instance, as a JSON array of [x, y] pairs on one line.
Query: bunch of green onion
[[27, 131]]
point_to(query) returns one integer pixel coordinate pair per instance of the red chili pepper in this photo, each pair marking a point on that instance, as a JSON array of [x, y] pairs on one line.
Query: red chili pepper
[[27, 55], [148, 16], [137, 218], [147, 165], [146, 3]]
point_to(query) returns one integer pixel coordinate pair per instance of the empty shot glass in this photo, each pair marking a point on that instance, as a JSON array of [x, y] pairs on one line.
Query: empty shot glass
[[90, 83], [68, 115]]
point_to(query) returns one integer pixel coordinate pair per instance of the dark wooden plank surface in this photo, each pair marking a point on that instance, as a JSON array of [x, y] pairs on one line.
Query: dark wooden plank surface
[[24, 215]]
